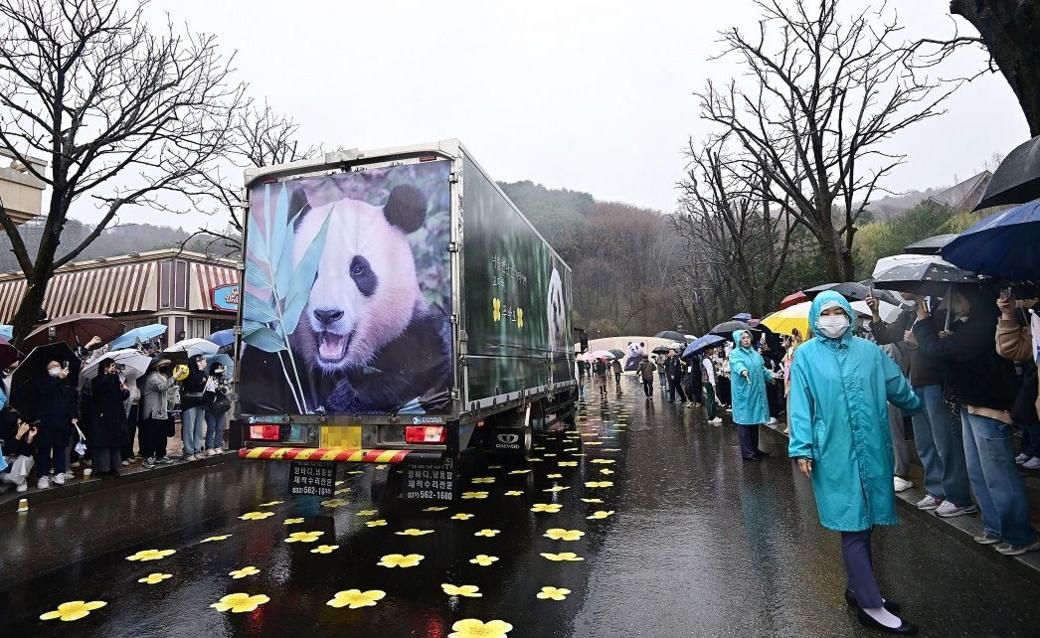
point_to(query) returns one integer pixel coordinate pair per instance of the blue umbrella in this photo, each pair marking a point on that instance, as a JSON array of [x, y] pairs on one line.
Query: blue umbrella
[[223, 338], [223, 359], [1003, 245], [7, 332], [707, 341], [130, 338], [744, 316]]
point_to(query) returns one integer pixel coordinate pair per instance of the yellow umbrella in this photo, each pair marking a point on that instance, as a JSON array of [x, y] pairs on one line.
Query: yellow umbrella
[[786, 320]]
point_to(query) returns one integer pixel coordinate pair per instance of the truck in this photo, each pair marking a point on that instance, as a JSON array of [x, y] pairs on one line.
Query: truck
[[397, 308]]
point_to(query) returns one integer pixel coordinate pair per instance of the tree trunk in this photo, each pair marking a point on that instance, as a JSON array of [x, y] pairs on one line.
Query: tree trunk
[[1009, 29]]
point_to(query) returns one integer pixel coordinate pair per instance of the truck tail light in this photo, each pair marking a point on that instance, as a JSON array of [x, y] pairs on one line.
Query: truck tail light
[[425, 434], [263, 432]]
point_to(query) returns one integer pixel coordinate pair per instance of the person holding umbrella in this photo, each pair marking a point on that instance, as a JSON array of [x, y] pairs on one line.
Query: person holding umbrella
[[108, 394], [708, 377], [840, 387], [674, 371], [749, 376], [56, 404]]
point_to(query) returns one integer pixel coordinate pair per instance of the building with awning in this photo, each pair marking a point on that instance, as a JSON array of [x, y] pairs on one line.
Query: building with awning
[[191, 293]]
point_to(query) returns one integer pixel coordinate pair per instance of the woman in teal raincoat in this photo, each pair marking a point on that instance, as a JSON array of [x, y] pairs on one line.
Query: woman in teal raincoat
[[748, 376], [840, 389]]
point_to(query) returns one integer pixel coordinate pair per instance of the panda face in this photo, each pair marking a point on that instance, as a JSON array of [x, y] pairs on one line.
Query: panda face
[[365, 290], [557, 321]]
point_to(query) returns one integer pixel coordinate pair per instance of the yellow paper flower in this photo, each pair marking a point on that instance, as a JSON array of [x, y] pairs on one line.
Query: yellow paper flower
[[462, 516], [496, 309], [293, 521], [592, 500], [606, 470], [434, 508], [255, 516], [240, 603], [342, 490], [571, 449], [554, 476], [537, 447], [494, 467], [73, 610], [558, 534], [381, 466], [483, 560], [548, 508], [550, 454], [367, 512], [488, 533], [595, 484], [472, 495], [568, 464], [562, 557], [519, 317], [303, 537], [151, 554], [248, 570], [356, 472], [514, 493], [611, 449], [270, 503], [534, 459], [338, 483], [468, 591], [600, 515], [411, 531], [473, 628], [379, 522], [603, 461], [556, 488], [593, 442], [214, 539], [333, 502], [400, 560], [519, 471], [324, 549], [484, 479], [154, 578], [355, 598], [553, 593]]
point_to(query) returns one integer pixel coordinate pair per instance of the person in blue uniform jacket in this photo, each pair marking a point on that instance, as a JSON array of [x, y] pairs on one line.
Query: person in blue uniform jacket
[[840, 388], [748, 375]]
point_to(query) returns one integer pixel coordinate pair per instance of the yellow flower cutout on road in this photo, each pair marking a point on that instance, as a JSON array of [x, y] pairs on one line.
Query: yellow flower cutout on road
[[519, 471], [554, 476], [214, 539], [367, 512], [400, 560], [354, 472], [488, 533], [248, 570], [556, 488], [255, 516], [496, 309], [570, 449], [606, 471], [342, 490], [519, 317], [292, 521], [151, 554], [600, 515], [411, 531], [240, 603], [379, 522], [462, 516], [553, 593], [473, 628], [562, 557], [303, 537], [611, 449], [549, 454], [534, 459], [548, 508], [483, 560], [599, 484], [324, 549], [591, 500], [472, 495], [514, 493], [593, 442], [333, 502], [73, 610], [468, 591], [484, 479], [603, 461], [154, 578], [494, 467], [355, 598], [568, 464], [338, 483], [381, 467], [558, 534], [435, 508], [270, 503]]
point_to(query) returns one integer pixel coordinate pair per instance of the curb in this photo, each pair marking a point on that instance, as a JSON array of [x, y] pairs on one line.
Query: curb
[[82, 487]]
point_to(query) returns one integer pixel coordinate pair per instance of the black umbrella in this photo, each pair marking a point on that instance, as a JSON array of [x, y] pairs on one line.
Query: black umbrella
[[617, 353], [930, 245], [672, 335], [727, 328], [926, 278], [1017, 179], [853, 291], [75, 330], [34, 368], [660, 350]]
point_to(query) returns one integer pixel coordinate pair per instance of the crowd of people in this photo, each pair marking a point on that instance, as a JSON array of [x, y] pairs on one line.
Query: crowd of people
[[110, 422]]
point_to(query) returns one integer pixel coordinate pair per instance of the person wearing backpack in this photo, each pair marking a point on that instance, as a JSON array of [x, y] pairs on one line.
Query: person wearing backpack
[[645, 370], [217, 404]]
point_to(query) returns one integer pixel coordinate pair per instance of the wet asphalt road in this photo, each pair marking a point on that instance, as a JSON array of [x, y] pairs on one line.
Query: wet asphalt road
[[698, 544]]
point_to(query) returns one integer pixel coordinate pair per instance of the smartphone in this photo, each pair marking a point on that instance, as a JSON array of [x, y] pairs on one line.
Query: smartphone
[[1007, 293]]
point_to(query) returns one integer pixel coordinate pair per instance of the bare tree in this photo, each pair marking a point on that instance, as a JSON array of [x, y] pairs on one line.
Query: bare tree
[[123, 114], [825, 91]]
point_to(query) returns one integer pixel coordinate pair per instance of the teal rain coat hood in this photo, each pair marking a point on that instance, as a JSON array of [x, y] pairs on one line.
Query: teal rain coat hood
[[750, 405], [838, 416]]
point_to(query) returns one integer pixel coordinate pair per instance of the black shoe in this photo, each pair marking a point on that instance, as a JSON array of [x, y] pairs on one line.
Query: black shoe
[[891, 606], [906, 629], [752, 458], [760, 453]]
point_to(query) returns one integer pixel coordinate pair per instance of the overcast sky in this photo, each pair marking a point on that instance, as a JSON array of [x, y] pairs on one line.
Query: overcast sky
[[587, 95]]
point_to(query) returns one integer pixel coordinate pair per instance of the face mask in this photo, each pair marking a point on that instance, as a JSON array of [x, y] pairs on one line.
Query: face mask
[[908, 304], [54, 372], [833, 326]]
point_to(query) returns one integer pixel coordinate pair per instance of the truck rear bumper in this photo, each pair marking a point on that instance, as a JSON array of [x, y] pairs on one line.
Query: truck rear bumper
[[338, 454]]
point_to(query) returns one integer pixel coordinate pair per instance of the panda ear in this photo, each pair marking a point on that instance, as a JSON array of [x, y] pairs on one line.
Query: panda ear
[[405, 208]]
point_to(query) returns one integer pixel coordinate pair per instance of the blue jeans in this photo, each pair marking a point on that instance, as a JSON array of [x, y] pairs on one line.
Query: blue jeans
[[192, 434], [214, 429], [941, 448], [998, 486]]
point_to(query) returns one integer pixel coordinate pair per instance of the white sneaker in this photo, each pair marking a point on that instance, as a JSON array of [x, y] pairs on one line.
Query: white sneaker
[[69, 475], [949, 510], [126, 463], [1032, 464], [87, 472], [59, 478], [772, 421], [929, 502], [43, 483], [717, 420], [22, 487], [901, 484], [1022, 458]]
